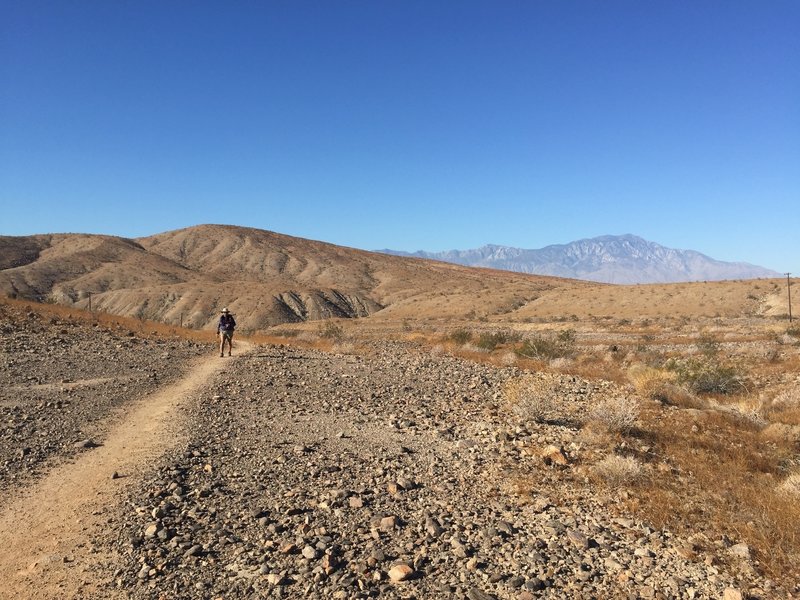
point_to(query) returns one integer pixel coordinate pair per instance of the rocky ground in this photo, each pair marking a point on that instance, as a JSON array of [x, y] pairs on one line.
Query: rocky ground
[[390, 473], [312, 475], [60, 380]]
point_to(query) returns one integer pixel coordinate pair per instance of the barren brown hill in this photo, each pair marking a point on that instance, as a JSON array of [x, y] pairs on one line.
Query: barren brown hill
[[65, 268], [264, 277]]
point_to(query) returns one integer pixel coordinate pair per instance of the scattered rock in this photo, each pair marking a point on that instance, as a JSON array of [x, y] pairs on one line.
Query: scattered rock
[[400, 572]]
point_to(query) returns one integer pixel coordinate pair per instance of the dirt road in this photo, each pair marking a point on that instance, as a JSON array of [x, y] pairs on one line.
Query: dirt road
[[46, 533]]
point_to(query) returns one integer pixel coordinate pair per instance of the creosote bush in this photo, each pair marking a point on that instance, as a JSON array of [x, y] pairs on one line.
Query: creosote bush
[[548, 348], [460, 336], [705, 376]]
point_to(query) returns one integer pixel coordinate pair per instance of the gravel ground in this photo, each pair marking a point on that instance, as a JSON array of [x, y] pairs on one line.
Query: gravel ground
[[61, 379], [391, 473], [312, 475]]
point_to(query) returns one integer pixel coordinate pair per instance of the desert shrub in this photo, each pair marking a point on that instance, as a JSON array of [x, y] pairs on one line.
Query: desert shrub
[[490, 341], [547, 348], [707, 376], [617, 414], [531, 402], [508, 359], [342, 347], [615, 470], [650, 382], [460, 336], [708, 345], [331, 331]]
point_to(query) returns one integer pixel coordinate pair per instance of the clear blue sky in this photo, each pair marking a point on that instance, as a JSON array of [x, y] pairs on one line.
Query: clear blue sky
[[408, 125]]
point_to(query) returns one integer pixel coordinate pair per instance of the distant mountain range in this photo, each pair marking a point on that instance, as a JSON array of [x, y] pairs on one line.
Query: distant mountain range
[[624, 259]]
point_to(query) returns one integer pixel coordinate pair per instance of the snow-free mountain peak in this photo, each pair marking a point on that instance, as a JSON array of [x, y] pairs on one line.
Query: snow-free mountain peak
[[609, 259]]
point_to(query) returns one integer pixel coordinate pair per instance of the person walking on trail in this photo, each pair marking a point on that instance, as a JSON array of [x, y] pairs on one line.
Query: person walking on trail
[[225, 329]]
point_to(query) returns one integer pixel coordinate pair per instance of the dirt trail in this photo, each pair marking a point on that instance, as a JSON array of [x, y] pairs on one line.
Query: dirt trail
[[46, 532]]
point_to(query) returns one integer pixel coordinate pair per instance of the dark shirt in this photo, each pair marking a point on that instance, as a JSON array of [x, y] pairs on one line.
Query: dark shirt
[[226, 323]]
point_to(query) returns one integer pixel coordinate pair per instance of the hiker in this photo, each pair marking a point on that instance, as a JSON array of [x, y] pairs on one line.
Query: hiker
[[225, 329]]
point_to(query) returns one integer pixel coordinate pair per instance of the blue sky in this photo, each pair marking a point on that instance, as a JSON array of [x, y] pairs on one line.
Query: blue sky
[[408, 125]]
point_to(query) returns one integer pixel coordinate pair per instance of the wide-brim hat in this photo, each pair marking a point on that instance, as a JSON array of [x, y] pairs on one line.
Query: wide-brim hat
[[225, 310]]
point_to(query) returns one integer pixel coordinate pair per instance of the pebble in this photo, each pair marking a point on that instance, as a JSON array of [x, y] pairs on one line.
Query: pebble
[[400, 572]]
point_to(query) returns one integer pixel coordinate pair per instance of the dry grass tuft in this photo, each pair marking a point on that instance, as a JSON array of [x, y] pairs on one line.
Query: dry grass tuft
[[791, 485], [785, 407], [618, 415], [532, 402], [617, 471], [650, 382]]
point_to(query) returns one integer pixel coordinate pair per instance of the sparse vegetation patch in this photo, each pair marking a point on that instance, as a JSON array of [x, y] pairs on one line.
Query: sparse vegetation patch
[[708, 376], [532, 402], [331, 331], [460, 336], [617, 471], [546, 348], [618, 414]]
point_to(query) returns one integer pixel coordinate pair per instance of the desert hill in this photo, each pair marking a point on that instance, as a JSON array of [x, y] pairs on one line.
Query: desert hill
[[267, 278]]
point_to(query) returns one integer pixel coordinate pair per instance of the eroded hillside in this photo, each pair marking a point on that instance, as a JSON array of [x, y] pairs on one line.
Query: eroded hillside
[[266, 278]]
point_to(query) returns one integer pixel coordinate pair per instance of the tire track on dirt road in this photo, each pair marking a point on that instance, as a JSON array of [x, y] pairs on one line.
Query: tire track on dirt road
[[46, 532]]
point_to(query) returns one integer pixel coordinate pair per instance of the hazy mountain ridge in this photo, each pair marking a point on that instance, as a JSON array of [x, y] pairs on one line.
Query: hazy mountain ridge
[[607, 259]]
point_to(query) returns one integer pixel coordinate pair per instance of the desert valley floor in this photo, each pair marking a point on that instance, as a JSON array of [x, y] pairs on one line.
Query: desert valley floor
[[140, 464]]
